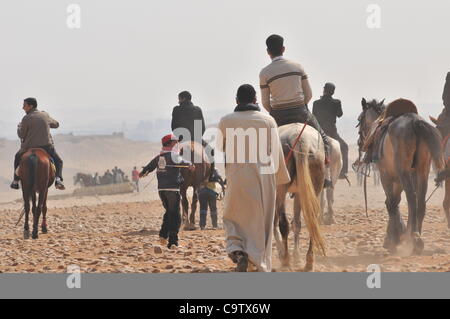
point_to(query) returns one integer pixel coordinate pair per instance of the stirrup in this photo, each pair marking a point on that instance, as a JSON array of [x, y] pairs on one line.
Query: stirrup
[[59, 184], [15, 185]]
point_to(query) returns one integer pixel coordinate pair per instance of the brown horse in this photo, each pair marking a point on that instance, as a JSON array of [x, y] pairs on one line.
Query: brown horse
[[306, 168], [408, 148], [85, 180], [37, 175], [444, 129], [195, 153]]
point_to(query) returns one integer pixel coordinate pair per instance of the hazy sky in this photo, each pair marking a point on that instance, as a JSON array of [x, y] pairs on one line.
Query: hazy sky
[[130, 58]]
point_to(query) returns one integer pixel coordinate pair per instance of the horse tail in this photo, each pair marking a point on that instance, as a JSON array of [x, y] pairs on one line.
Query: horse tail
[[309, 202], [33, 162], [432, 138]]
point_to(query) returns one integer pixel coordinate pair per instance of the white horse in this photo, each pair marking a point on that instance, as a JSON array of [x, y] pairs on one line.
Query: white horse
[[335, 170], [307, 170]]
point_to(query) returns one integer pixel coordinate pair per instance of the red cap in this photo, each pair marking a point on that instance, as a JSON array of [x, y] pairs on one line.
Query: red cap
[[169, 137]]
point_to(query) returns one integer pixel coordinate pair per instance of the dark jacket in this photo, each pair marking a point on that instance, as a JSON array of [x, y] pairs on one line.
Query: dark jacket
[[446, 93], [184, 115], [169, 177], [326, 110], [34, 130]]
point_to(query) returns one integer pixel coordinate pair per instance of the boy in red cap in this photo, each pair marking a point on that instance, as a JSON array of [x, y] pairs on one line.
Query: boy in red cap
[[168, 164]]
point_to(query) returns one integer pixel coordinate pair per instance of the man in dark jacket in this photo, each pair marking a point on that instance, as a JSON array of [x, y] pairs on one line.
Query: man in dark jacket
[[187, 116], [326, 110], [168, 164], [34, 132]]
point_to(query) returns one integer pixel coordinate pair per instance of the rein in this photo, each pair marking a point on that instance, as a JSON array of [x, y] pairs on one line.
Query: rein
[[288, 157]]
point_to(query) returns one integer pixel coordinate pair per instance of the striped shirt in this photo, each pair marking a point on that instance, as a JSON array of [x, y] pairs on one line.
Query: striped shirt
[[281, 84]]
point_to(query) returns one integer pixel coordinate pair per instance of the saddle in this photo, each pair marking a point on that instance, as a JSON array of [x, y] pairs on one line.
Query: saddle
[[52, 161], [373, 145]]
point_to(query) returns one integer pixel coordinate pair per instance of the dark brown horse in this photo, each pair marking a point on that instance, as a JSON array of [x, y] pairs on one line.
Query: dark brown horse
[[37, 175], [85, 180], [444, 129], [409, 147], [195, 153]]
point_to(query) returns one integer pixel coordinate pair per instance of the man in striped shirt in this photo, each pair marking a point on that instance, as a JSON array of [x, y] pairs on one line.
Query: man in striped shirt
[[285, 90]]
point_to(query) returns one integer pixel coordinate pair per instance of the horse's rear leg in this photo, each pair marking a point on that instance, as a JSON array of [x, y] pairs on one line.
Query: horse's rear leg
[[309, 265], [446, 203], [193, 208], [395, 226], [36, 214], [422, 187], [329, 218], [185, 206], [281, 226], [297, 225], [44, 215], [26, 207]]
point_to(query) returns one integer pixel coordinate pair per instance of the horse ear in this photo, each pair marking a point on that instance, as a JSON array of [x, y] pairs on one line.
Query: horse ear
[[382, 102], [434, 120], [364, 103]]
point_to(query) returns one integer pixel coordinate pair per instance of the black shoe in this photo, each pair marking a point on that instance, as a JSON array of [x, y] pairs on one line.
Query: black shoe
[[15, 185]]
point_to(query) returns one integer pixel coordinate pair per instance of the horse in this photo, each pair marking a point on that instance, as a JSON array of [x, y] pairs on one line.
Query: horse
[[37, 175], [409, 146], [335, 170], [306, 168], [196, 154], [85, 180], [445, 133]]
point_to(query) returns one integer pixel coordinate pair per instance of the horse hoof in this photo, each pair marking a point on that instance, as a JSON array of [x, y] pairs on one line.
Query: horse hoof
[[389, 245], [44, 230], [26, 234], [34, 235], [189, 227], [308, 268], [419, 245], [329, 220]]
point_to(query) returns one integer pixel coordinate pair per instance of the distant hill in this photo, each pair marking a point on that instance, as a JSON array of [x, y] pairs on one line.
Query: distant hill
[[87, 154]]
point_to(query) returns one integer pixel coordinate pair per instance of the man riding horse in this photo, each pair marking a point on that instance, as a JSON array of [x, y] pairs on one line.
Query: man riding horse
[[34, 132], [443, 124]]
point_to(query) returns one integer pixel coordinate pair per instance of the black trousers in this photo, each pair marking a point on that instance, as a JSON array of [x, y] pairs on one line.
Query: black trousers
[[51, 152], [344, 148], [300, 114], [207, 198], [172, 218]]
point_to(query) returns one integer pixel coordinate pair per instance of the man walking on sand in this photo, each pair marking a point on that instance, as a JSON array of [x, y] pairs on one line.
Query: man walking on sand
[[251, 194]]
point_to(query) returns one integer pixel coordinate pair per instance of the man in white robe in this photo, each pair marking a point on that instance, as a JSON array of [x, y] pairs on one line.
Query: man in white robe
[[254, 166]]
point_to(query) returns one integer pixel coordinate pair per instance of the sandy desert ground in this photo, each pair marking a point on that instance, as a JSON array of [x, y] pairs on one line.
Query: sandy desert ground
[[120, 234]]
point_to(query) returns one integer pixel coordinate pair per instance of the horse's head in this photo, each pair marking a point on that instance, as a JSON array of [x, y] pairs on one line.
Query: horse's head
[[370, 112]]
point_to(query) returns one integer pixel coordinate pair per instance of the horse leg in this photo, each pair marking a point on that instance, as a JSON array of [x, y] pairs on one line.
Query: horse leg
[[36, 213], [422, 187], [330, 200], [395, 225], [297, 225], [281, 226], [44, 214], [26, 207], [322, 207], [406, 179], [193, 208], [309, 266], [446, 203], [185, 205]]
